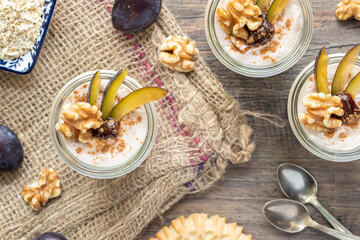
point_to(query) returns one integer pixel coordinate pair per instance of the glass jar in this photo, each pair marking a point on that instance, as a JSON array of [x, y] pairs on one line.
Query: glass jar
[[97, 171], [280, 66], [300, 132]]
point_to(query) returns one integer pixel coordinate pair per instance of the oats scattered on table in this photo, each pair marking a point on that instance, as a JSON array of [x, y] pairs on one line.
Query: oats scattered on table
[[20, 22]]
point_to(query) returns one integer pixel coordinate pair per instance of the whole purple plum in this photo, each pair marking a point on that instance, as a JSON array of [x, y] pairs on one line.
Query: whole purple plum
[[130, 16], [11, 151]]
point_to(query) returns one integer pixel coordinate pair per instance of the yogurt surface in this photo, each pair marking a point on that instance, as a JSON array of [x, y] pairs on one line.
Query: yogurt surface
[[343, 138], [288, 29], [110, 152]]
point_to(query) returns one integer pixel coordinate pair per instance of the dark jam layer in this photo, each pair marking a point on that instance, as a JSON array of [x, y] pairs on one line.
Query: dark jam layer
[[262, 35], [351, 110]]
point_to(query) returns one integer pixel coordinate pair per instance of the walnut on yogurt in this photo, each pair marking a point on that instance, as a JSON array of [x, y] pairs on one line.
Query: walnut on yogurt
[[78, 120], [321, 111], [20, 22], [250, 21]]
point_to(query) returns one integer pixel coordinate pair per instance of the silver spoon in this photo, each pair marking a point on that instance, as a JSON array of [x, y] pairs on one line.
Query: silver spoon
[[298, 184], [293, 217]]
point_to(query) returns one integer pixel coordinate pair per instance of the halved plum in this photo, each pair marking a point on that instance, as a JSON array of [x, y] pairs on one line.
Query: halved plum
[[94, 89], [275, 10], [11, 150], [263, 5], [110, 93], [320, 71], [354, 86], [344, 69], [135, 100], [130, 16]]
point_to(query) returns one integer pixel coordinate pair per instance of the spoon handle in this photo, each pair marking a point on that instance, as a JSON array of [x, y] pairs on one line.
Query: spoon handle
[[332, 232], [335, 223]]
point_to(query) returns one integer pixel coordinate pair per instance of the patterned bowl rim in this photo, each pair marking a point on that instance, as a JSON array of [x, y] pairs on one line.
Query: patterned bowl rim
[[38, 50]]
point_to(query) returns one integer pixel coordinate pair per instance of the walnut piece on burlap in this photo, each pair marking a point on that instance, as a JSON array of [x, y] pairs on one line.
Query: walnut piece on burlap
[[201, 130]]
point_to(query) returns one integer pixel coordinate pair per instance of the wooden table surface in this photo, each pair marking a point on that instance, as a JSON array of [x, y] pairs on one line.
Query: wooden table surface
[[245, 188]]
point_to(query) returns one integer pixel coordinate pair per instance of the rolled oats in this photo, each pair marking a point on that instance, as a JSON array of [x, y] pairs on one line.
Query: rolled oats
[[20, 22]]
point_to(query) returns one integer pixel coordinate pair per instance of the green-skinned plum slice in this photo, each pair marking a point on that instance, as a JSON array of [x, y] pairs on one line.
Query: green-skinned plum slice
[[320, 71], [275, 10], [110, 93], [263, 5], [344, 69], [135, 100], [353, 87], [94, 89]]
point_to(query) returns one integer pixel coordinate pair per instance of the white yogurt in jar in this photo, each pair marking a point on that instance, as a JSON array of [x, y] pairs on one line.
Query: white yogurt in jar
[[288, 30], [343, 138], [110, 152]]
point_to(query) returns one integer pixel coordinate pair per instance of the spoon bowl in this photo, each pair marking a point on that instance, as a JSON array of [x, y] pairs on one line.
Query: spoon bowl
[[296, 183], [287, 215], [293, 217]]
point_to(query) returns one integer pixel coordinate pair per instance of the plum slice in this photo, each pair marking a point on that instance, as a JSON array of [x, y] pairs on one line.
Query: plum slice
[[135, 100], [275, 9], [110, 93], [263, 5], [354, 86], [130, 16], [94, 88], [344, 69], [11, 150], [320, 71]]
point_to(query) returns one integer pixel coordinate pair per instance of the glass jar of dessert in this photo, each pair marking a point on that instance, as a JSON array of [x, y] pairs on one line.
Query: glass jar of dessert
[[261, 38], [323, 106], [97, 139]]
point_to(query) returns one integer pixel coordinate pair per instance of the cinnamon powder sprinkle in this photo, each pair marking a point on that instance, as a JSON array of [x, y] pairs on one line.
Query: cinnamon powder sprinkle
[[78, 150], [271, 47], [342, 135], [268, 57], [329, 134]]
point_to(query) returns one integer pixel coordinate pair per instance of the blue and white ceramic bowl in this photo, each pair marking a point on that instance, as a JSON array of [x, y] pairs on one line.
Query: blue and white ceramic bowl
[[25, 63]]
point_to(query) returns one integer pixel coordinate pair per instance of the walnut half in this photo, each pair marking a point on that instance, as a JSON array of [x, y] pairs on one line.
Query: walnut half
[[348, 9], [39, 192], [237, 14], [176, 53], [320, 108], [78, 119]]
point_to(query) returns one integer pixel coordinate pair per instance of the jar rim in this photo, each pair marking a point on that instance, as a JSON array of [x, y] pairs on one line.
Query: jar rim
[[259, 71], [297, 128], [100, 171]]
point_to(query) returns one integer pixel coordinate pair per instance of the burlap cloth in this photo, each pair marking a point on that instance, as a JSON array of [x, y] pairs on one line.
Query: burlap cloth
[[201, 130]]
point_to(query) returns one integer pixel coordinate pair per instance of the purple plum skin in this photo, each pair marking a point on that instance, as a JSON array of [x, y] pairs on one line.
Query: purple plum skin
[[11, 150], [50, 236], [131, 16]]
